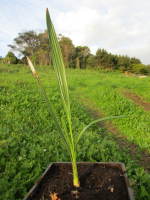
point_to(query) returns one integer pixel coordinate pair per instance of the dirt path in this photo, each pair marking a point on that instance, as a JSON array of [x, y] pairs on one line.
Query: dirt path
[[134, 97], [144, 159]]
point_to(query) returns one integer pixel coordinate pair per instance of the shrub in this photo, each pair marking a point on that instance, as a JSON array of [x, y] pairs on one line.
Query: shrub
[[139, 69], [10, 58]]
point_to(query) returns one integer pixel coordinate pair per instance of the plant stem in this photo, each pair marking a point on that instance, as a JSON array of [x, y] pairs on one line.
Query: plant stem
[[76, 182]]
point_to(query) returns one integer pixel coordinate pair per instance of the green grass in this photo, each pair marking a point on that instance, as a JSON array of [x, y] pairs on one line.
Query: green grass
[[29, 141], [105, 91]]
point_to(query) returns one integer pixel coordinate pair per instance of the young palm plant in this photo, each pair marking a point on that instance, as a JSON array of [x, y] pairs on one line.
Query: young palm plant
[[59, 68]]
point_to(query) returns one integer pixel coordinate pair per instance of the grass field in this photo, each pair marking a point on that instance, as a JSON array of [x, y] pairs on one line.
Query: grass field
[[29, 141], [108, 93]]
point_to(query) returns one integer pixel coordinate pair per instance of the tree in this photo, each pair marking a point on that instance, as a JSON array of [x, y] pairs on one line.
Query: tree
[[37, 47], [120, 63], [102, 58], [90, 62], [109, 62], [98, 58], [115, 59], [127, 63], [10, 58], [81, 54], [45, 51], [135, 61], [67, 49], [27, 43], [77, 63]]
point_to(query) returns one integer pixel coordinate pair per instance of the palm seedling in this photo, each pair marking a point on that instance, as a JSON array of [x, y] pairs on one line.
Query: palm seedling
[[62, 82]]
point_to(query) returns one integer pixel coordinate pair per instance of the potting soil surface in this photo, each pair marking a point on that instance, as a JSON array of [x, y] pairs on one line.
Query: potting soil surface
[[96, 182]]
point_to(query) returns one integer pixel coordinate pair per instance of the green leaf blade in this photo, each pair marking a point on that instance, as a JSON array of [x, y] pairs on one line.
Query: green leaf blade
[[58, 65], [96, 121]]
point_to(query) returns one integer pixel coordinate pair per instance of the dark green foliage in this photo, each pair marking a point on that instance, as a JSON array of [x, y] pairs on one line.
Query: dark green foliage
[[11, 58], [135, 61], [37, 47], [144, 70], [90, 62], [139, 69], [148, 67]]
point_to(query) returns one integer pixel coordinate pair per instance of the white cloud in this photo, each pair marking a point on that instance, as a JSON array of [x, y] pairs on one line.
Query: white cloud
[[135, 52], [78, 25], [120, 27]]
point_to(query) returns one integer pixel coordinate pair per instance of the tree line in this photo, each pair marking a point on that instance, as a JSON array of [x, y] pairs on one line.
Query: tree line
[[37, 47]]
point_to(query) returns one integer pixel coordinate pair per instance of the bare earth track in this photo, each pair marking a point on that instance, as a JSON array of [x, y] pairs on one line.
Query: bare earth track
[[134, 97], [144, 159]]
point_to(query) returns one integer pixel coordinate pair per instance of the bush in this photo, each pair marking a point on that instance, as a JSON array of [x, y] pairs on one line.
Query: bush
[[144, 70], [139, 69], [148, 67], [11, 58]]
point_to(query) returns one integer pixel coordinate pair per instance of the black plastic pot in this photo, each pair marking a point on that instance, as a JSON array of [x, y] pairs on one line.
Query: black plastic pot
[[119, 166]]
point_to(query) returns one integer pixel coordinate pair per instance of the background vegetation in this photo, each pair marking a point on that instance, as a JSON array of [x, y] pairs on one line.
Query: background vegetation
[[37, 48], [29, 141]]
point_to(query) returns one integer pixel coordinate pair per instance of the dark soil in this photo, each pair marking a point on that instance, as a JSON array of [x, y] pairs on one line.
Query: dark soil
[[96, 182]]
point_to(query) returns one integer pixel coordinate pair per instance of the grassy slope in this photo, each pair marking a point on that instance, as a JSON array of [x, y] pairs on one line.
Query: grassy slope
[[106, 92], [28, 141]]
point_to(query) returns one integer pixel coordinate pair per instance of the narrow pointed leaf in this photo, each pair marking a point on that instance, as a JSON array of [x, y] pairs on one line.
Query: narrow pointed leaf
[[98, 120], [58, 65], [47, 101]]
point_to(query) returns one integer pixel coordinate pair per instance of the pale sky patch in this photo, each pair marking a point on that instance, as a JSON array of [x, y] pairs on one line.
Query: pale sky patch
[[120, 27]]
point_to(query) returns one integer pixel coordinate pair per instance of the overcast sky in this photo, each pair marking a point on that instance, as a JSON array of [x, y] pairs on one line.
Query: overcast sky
[[121, 27]]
